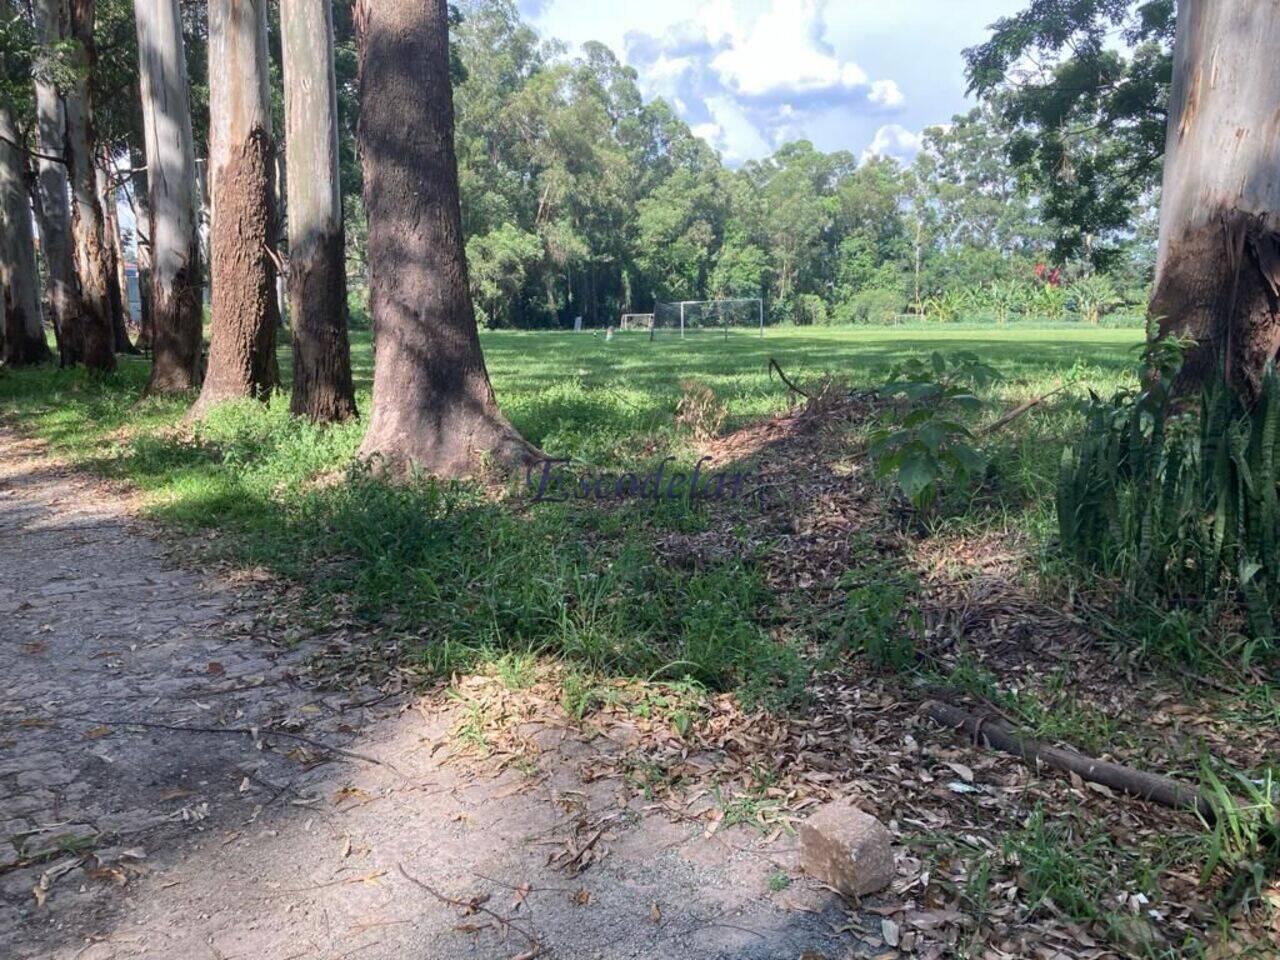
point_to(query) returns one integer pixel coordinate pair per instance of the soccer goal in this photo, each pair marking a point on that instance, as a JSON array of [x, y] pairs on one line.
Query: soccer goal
[[692, 316], [636, 321]]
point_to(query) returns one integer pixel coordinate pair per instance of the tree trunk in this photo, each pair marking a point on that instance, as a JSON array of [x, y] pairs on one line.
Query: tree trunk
[[433, 405], [322, 388], [108, 196], [1218, 271], [174, 246], [92, 263], [24, 339], [62, 287], [141, 204], [242, 361]]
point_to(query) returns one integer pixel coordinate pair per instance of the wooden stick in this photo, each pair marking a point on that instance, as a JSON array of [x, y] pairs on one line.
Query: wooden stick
[[773, 365], [536, 949], [999, 736], [1019, 410]]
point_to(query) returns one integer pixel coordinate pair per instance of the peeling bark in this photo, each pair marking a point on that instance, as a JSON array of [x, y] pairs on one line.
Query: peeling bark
[[242, 359], [62, 287], [92, 263], [172, 288], [24, 339], [1218, 272], [108, 197], [322, 386], [433, 404], [141, 204]]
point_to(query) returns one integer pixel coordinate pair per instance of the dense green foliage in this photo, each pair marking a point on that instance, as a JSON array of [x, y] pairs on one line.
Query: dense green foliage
[[1181, 504], [582, 199], [1087, 115]]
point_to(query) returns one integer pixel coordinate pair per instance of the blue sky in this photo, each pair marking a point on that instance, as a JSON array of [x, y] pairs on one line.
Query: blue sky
[[748, 75]]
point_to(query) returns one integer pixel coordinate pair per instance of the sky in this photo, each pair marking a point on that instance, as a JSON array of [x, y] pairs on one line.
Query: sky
[[866, 76]]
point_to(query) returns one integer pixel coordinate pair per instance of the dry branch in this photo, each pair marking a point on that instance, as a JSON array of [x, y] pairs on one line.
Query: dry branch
[[998, 735], [476, 905], [773, 365]]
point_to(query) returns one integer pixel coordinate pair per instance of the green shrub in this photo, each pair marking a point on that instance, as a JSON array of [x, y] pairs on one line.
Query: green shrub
[[1093, 297], [872, 306], [1181, 504]]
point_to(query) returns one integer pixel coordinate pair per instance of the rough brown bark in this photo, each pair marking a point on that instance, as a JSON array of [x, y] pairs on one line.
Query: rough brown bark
[[242, 360], [23, 329], [433, 405], [92, 264], [62, 287], [170, 284], [1218, 272], [322, 386]]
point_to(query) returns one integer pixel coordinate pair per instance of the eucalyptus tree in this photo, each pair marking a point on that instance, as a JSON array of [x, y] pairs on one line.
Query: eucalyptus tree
[[23, 333], [433, 404], [173, 247], [322, 386], [242, 150], [93, 262], [62, 287], [1218, 270]]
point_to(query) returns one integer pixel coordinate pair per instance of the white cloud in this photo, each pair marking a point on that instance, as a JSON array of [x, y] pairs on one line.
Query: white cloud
[[886, 93], [751, 79], [894, 140], [783, 53], [739, 138]]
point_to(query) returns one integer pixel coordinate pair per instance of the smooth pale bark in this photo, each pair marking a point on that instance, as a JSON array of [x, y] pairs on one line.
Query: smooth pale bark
[[108, 197], [140, 203], [1218, 271], [62, 287], [24, 340], [242, 361], [173, 248], [322, 387], [433, 405], [93, 266]]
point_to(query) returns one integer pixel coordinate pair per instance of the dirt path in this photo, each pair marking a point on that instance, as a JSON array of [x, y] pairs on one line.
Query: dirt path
[[122, 840]]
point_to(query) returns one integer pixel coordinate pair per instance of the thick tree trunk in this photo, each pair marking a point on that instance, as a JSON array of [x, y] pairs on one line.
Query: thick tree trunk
[[1218, 273], [242, 360], [24, 339], [62, 287], [108, 196], [433, 405], [173, 252], [92, 262], [322, 388]]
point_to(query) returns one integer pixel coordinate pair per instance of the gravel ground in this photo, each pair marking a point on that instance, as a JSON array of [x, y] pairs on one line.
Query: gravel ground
[[121, 836]]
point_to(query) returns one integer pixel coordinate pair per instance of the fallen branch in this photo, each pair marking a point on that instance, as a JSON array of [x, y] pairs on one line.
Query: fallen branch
[[998, 735], [475, 905], [1018, 411], [773, 365]]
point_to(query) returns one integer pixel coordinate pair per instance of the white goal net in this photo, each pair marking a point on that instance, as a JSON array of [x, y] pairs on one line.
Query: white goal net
[[636, 321], [687, 317]]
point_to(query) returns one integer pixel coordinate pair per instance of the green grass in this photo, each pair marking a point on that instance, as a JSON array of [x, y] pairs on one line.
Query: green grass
[[463, 578]]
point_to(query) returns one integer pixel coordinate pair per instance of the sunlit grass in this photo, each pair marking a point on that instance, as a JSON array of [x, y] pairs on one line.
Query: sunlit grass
[[464, 578]]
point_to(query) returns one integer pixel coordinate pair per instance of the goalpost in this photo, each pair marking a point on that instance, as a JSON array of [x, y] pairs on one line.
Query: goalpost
[[636, 321], [687, 316]]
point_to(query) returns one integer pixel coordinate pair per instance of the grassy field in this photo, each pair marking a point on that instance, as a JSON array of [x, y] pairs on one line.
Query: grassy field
[[459, 579], [465, 577]]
